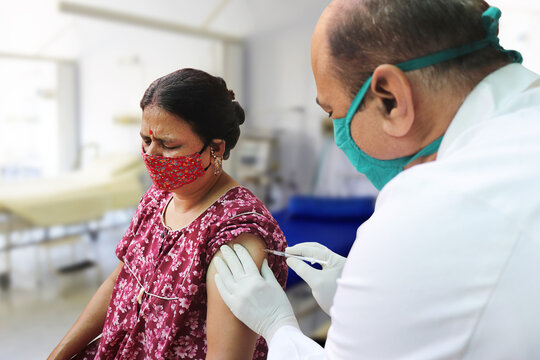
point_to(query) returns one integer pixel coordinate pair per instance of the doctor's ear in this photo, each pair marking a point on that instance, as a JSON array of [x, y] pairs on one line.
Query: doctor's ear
[[393, 89]]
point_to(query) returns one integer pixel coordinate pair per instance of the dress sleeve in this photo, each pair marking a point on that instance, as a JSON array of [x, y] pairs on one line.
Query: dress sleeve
[[254, 221], [249, 222]]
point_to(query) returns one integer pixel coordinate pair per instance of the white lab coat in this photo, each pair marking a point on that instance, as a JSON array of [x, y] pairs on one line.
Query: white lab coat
[[448, 267]]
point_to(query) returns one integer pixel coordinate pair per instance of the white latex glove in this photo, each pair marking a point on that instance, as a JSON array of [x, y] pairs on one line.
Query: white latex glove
[[323, 283], [258, 301]]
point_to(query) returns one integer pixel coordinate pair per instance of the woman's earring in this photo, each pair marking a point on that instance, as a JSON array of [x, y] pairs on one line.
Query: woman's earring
[[217, 162]]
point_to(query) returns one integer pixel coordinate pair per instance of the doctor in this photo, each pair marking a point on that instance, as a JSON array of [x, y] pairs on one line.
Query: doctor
[[448, 267]]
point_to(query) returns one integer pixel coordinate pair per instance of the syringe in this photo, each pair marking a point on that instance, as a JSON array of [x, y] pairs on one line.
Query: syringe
[[304, 258]]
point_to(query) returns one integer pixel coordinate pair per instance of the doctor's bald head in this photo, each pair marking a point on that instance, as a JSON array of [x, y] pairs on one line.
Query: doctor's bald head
[[356, 36]]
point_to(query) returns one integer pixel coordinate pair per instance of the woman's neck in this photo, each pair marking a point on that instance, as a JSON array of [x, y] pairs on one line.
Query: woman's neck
[[204, 195]]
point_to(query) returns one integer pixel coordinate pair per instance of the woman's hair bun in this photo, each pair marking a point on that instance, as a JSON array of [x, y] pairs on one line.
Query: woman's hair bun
[[240, 115]]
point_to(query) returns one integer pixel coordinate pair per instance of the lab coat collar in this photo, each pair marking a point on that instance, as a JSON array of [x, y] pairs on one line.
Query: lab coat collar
[[487, 99]]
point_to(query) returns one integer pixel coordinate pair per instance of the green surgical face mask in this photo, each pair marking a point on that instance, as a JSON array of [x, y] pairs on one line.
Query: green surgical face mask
[[380, 172]]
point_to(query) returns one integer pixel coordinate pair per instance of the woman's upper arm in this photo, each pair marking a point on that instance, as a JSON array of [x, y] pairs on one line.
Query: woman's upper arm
[[227, 337]]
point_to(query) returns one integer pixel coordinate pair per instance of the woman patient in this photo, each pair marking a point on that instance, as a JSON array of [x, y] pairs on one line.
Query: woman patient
[[161, 301]]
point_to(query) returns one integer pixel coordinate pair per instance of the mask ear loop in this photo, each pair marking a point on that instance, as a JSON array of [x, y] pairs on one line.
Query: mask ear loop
[[202, 150], [217, 160]]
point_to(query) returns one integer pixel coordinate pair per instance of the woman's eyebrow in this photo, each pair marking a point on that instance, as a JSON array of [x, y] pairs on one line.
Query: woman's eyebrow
[[164, 138]]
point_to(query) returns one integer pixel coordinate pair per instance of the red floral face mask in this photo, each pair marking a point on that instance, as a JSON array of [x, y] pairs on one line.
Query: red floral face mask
[[169, 173]]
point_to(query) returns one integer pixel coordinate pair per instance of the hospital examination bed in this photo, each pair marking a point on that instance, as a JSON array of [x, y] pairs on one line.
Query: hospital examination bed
[[83, 196]]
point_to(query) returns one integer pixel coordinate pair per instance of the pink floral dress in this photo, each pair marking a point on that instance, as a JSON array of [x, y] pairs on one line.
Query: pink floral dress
[[158, 304]]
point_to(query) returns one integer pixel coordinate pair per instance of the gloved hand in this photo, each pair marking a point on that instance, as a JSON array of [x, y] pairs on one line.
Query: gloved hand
[[323, 283], [258, 301]]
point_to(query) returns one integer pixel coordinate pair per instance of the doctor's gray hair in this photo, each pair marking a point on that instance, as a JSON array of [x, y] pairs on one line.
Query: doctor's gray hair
[[368, 33]]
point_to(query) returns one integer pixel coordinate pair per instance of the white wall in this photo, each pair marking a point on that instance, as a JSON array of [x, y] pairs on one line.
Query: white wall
[[68, 113], [29, 128], [520, 29], [280, 94]]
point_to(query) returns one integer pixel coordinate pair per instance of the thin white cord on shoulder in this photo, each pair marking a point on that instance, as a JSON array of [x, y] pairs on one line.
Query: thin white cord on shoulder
[[143, 290], [247, 213]]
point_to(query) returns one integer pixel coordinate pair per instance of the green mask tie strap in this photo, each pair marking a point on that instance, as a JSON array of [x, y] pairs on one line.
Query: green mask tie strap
[[490, 20]]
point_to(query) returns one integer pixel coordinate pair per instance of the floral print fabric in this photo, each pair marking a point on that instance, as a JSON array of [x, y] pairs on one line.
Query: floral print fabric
[[167, 320], [168, 173]]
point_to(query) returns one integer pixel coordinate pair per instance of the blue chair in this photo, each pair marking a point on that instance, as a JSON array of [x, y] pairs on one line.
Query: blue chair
[[330, 221]]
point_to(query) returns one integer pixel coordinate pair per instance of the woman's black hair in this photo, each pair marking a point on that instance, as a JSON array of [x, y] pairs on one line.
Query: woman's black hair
[[202, 100]]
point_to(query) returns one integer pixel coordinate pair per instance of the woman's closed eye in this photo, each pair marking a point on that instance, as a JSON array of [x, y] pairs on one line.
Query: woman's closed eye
[[172, 147], [146, 139]]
